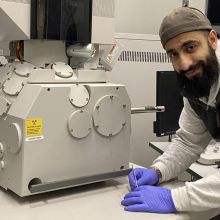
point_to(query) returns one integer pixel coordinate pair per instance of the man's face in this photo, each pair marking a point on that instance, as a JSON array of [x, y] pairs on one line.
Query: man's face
[[193, 57]]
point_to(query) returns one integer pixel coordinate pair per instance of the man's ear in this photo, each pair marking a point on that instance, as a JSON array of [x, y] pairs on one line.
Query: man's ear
[[212, 38]]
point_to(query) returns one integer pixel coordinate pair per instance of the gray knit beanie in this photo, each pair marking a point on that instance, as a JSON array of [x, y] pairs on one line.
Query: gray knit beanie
[[181, 20]]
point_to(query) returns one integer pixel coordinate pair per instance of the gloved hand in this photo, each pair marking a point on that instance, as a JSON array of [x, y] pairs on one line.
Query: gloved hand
[[149, 199], [144, 176]]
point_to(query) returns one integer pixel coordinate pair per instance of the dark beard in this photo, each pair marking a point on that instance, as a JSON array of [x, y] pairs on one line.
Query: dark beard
[[198, 87]]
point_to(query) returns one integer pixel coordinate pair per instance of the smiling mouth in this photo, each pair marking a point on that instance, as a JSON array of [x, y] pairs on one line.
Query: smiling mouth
[[192, 73]]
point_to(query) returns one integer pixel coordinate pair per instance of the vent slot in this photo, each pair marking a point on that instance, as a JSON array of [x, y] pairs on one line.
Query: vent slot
[[145, 57]]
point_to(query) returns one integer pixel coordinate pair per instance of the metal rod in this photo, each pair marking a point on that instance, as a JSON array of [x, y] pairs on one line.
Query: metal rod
[[148, 109]]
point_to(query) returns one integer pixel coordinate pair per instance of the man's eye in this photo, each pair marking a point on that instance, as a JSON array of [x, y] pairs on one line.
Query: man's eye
[[191, 48], [172, 55]]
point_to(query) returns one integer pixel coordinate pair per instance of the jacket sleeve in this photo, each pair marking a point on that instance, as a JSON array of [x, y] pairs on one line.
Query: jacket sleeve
[[200, 195], [190, 141]]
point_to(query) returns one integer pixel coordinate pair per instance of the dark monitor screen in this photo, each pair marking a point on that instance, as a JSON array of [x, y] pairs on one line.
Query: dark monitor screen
[[213, 14], [168, 95]]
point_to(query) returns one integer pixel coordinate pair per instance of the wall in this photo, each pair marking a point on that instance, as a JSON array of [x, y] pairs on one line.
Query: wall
[[145, 16]]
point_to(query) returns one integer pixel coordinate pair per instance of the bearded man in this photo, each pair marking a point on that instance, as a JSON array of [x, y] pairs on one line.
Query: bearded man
[[189, 40]]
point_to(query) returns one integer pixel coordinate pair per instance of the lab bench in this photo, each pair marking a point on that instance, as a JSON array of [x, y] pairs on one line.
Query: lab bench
[[95, 201]]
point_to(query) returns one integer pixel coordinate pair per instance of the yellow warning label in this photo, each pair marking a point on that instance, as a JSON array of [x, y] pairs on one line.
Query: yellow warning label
[[34, 127]]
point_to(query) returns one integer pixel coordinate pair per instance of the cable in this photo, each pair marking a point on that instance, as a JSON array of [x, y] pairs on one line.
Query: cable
[[170, 138]]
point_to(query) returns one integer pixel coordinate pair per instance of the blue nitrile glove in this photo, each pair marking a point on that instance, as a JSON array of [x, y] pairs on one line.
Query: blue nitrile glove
[[144, 176], [149, 199]]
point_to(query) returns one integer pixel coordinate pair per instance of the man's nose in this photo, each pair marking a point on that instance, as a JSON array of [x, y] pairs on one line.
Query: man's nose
[[185, 62]]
